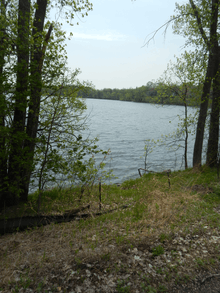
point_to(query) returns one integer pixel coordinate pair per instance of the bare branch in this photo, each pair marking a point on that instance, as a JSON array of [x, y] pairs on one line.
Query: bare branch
[[164, 25]]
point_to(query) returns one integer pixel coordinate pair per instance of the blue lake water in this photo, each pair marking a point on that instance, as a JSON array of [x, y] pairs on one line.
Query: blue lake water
[[124, 128]]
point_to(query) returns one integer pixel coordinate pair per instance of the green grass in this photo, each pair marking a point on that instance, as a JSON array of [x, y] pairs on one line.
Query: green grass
[[152, 208], [122, 287], [158, 250], [139, 194]]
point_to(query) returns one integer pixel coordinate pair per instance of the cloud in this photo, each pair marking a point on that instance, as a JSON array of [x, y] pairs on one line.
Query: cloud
[[100, 37]]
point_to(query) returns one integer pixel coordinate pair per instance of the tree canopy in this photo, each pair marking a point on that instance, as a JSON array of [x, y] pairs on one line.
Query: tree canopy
[[41, 117], [198, 22]]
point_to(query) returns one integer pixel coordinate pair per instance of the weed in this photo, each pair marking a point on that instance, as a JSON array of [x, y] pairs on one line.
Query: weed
[[121, 287], [119, 239], [168, 276], [159, 271], [186, 278], [144, 287], [158, 250], [150, 289], [25, 283], [78, 261], [162, 288], [200, 262], [39, 287], [146, 279], [146, 198], [116, 268], [212, 261], [174, 268], [138, 212], [178, 279], [163, 237], [92, 246], [173, 253], [16, 290], [129, 184], [106, 256]]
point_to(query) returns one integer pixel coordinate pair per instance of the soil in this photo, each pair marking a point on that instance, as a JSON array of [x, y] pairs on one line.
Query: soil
[[53, 259], [182, 263]]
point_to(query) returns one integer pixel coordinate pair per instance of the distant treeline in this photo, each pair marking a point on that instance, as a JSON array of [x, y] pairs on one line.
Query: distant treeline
[[150, 93], [155, 93]]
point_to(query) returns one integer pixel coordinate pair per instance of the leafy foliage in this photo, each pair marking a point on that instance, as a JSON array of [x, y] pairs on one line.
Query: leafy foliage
[[149, 93], [41, 117]]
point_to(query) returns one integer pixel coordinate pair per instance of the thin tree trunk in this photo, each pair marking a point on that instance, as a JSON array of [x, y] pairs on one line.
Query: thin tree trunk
[[197, 154], [186, 128]]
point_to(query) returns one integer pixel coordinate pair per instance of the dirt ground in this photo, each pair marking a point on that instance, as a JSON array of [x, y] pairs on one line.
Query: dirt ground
[[182, 263]]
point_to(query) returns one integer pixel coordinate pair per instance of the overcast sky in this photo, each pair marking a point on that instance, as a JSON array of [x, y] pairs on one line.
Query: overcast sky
[[107, 44]]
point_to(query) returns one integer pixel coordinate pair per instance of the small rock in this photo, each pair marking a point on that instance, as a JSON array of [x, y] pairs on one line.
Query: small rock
[[111, 283], [78, 289], [215, 239], [136, 257]]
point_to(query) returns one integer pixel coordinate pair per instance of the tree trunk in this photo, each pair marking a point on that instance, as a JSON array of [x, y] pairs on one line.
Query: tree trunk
[[212, 151], [38, 51], [186, 128], [17, 159], [197, 154], [3, 157], [212, 46]]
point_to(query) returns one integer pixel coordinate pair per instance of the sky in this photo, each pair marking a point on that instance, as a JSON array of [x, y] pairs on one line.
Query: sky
[[107, 45]]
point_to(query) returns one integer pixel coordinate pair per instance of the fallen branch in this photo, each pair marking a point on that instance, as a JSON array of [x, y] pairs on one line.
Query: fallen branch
[[209, 277], [20, 224], [75, 211], [145, 171]]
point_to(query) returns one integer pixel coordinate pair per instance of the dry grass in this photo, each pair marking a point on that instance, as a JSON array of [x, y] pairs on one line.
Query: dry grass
[[153, 209]]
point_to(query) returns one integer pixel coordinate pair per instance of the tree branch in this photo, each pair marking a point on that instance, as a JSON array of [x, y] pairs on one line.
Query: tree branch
[[47, 37], [196, 13], [164, 25]]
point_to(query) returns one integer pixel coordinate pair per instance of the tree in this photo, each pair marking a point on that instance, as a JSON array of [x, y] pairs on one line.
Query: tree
[[179, 83], [201, 28], [31, 60], [199, 24], [60, 147]]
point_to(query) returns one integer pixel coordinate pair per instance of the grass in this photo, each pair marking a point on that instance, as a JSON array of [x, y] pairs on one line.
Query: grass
[[153, 211], [158, 250]]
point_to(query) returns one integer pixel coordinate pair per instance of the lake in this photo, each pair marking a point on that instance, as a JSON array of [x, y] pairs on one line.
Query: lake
[[124, 128]]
